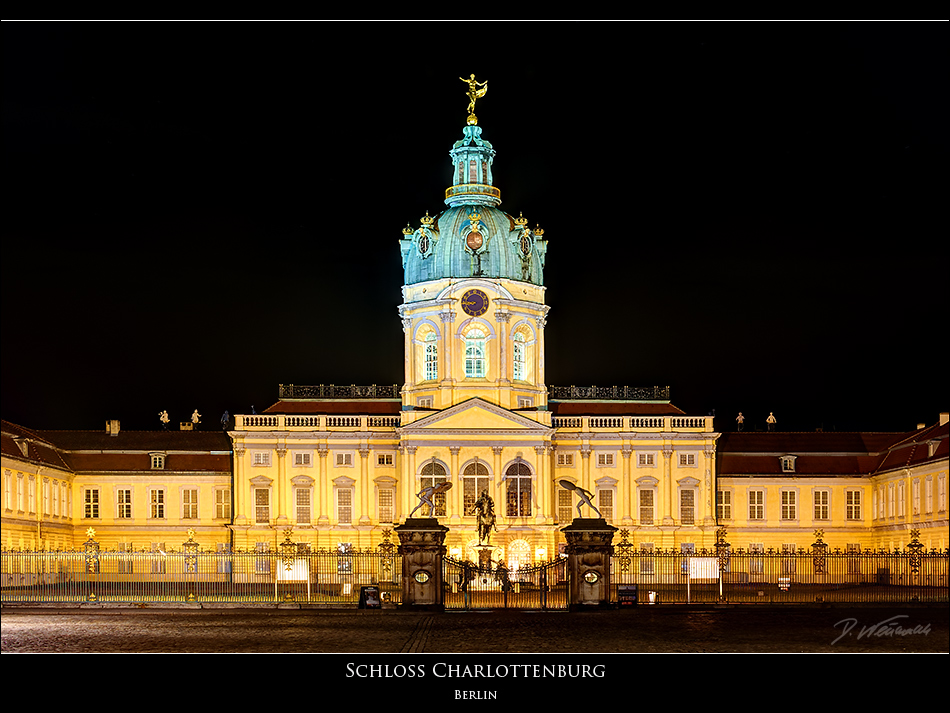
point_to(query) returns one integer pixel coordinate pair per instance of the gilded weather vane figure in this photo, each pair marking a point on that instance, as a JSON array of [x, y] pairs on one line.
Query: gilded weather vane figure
[[476, 90]]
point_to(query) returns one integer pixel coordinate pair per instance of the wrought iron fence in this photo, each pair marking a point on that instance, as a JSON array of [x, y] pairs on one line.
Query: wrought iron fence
[[541, 586], [292, 573], [800, 576]]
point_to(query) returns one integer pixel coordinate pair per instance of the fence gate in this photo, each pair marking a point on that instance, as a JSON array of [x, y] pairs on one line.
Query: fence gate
[[542, 586]]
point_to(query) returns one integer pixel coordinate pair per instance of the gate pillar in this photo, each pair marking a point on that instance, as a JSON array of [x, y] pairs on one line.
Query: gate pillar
[[589, 550], [421, 544]]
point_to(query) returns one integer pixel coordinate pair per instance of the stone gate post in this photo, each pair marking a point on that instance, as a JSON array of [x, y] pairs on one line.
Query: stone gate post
[[589, 548], [421, 544]]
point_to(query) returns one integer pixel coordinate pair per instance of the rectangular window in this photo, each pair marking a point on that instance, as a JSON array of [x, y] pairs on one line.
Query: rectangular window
[[687, 459], [189, 504], [302, 496], [384, 459], [124, 558], [724, 504], [756, 559], [222, 504], [386, 509], [262, 505], [915, 496], [645, 459], [853, 504], [344, 460], [261, 458], [91, 504], [262, 561], [344, 506], [929, 495], [646, 556], [821, 504], [646, 507], [789, 509], [302, 459], [565, 509], [123, 505], [789, 559], [687, 507], [605, 503], [157, 504], [159, 558], [565, 460], [756, 504], [605, 459]]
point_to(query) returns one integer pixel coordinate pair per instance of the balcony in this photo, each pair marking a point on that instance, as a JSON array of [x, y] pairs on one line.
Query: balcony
[[652, 424], [283, 422]]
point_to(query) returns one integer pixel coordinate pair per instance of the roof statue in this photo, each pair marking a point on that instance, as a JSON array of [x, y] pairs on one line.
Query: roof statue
[[476, 90]]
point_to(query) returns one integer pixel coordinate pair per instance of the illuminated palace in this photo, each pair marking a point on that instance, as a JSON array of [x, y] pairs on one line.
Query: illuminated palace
[[343, 465]]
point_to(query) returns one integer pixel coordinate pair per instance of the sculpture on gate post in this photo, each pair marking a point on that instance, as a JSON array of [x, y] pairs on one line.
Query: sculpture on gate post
[[584, 496], [484, 508], [426, 497]]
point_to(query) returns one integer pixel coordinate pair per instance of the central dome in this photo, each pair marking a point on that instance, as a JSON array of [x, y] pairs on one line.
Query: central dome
[[472, 237]]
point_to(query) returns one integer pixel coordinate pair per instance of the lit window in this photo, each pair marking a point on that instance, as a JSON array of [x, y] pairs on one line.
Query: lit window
[[302, 498], [386, 506], [262, 505], [756, 504], [565, 505], [687, 507], [822, 499], [788, 464], [724, 504], [434, 474], [519, 358], [646, 507], [344, 506], [91, 504], [384, 459], [475, 480], [475, 354], [158, 461], [789, 505], [432, 356], [605, 503], [518, 498], [853, 504], [189, 504], [123, 504], [157, 504], [222, 504], [261, 458]]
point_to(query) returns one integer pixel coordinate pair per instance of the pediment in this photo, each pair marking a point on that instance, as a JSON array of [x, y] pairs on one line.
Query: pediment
[[476, 415]]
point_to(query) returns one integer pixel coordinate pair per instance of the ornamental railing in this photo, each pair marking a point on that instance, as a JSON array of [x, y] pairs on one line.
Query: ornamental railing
[[634, 423], [620, 393], [291, 572], [333, 391], [789, 576]]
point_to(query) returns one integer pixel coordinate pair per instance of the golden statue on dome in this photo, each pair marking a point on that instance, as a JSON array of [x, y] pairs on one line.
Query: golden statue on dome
[[476, 90]]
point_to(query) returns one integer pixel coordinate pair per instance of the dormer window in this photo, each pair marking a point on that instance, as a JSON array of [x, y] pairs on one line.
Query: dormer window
[[158, 461], [788, 464]]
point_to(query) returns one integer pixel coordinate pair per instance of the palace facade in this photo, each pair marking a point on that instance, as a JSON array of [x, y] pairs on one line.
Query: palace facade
[[340, 466]]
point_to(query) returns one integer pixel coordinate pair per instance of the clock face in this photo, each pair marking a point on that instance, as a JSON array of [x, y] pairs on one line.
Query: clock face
[[475, 303]]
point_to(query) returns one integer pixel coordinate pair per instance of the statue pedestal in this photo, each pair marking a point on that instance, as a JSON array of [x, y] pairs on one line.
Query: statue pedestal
[[589, 550], [484, 555], [421, 543]]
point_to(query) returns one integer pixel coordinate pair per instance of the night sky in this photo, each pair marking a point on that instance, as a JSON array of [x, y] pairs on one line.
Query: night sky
[[196, 213]]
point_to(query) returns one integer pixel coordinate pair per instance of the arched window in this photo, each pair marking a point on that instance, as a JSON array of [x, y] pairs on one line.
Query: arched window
[[475, 479], [432, 356], [434, 473], [519, 358], [518, 495], [475, 354]]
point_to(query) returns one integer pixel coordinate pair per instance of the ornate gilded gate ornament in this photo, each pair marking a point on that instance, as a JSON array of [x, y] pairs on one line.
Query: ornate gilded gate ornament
[[819, 550], [916, 547], [625, 547], [722, 549]]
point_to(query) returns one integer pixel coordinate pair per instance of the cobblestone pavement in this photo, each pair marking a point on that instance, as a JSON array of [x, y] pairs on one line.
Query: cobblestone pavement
[[642, 629]]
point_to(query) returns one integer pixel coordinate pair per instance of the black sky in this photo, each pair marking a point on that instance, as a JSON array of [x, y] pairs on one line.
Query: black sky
[[195, 213]]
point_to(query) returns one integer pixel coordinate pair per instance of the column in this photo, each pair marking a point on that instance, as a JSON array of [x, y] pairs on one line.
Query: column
[[323, 488], [455, 511], [365, 500], [668, 485], [240, 497], [280, 488]]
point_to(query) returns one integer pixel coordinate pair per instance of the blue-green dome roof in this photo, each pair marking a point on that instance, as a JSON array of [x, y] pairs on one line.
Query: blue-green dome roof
[[472, 237]]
